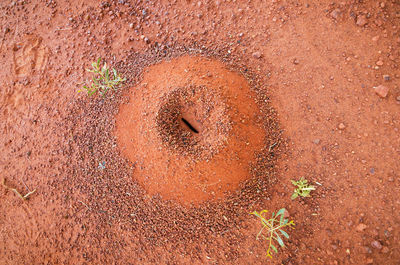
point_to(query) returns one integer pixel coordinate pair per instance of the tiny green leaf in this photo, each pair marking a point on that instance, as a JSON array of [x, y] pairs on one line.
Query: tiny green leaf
[[102, 81], [303, 189], [107, 75], [274, 248], [272, 229], [284, 233], [279, 239], [281, 211]]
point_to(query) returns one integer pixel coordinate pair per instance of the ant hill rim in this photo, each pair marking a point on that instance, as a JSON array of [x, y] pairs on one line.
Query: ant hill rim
[[192, 128]]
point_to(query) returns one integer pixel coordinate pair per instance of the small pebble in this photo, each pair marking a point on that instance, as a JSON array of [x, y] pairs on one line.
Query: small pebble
[[361, 21], [335, 13], [379, 63], [361, 227], [381, 91], [376, 244], [341, 126], [386, 77], [316, 141], [257, 55], [376, 38], [367, 250], [385, 250]]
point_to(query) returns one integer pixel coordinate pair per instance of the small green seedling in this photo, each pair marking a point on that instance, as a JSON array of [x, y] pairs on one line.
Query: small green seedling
[[303, 189], [273, 228], [103, 79]]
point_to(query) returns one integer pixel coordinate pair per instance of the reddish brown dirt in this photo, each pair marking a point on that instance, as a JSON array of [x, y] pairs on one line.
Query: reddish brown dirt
[[315, 62], [175, 161]]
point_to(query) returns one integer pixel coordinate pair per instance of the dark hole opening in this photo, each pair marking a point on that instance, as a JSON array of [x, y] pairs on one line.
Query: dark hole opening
[[189, 125]]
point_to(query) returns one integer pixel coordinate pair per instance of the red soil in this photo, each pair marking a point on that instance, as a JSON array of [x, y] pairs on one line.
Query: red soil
[[173, 160], [330, 70]]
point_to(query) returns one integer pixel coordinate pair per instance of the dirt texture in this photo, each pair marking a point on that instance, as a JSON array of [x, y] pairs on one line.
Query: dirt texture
[[192, 128], [224, 104]]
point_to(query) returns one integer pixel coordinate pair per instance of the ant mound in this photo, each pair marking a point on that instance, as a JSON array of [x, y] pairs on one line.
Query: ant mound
[[192, 128]]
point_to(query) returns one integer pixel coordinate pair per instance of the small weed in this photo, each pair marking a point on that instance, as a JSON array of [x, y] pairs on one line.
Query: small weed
[[22, 197], [272, 228], [103, 79], [303, 189]]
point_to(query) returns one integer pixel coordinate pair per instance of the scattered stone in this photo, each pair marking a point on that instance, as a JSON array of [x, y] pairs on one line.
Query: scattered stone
[[386, 77], [257, 55], [381, 91], [376, 38], [341, 126], [361, 21], [316, 141], [367, 250], [295, 61], [376, 244], [361, 227], [398, 98], [303, 246], [379, 63], [385, 250], [335, 13]]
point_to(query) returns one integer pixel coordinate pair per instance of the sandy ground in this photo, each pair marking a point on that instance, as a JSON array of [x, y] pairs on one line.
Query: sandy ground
[[328, 73]]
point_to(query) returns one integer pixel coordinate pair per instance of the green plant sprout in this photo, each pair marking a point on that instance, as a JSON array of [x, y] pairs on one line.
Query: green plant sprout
[[303, 189], [103, 79], [272, 228]]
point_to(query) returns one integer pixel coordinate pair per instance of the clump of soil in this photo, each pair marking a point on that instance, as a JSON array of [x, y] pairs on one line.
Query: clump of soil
[[193, 129]]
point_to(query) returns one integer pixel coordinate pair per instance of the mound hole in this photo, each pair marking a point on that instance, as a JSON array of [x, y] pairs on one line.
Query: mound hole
[[189, 125]]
